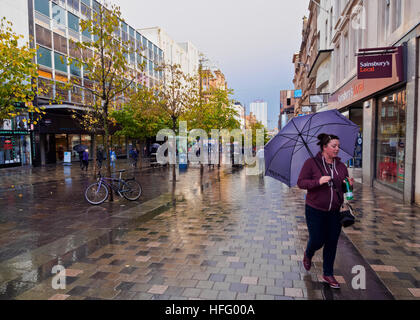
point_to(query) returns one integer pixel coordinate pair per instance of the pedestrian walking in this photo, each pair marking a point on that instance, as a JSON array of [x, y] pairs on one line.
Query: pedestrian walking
[[134, 156], [112, 158], [323, 178], [99, 157], [85, 160]]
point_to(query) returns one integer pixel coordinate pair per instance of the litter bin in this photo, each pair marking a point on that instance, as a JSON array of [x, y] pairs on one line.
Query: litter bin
[[183, 161]]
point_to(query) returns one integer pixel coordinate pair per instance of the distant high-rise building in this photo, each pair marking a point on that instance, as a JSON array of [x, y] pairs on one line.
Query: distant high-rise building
[[241, 113], [259, 109]]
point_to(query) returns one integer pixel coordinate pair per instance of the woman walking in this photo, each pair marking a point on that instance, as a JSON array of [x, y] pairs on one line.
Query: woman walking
[[85, 160], [323, 177]]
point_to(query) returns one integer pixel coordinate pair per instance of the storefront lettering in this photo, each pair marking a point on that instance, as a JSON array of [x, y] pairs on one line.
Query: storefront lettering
[[352, 92], [375, 67], [375, 64]]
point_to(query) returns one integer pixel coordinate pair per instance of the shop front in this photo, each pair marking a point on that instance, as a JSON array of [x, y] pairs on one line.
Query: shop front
[[378, 106], [58, 134], [15, 143], [391, 139]]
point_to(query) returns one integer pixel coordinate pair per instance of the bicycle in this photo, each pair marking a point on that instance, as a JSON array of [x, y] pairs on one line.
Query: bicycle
[[98, 192]]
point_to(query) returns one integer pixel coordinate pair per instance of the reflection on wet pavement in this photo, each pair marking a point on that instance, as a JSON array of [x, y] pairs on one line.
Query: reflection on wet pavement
[[228, 236]]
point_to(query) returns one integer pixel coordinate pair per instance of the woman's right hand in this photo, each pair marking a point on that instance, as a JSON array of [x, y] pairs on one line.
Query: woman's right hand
[[324, 180]]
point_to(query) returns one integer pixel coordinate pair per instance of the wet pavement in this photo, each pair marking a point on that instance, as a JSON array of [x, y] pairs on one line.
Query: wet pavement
[[225, 235]]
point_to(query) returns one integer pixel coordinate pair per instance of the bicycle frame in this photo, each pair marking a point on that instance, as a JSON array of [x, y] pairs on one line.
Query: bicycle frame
[[110, 184]]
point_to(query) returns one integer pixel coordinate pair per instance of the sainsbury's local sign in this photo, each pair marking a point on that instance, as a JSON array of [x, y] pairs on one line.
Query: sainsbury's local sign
[[374, 67]]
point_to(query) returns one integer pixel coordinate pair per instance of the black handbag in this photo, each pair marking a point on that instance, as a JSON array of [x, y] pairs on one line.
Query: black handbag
[[347, 215]]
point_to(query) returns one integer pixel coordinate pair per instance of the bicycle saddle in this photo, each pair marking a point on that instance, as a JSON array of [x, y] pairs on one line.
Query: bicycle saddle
[[121, 170]]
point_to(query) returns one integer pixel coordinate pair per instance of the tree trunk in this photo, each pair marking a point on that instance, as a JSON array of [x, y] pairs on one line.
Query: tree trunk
[[106, 145], [174, 165], [95, 159]]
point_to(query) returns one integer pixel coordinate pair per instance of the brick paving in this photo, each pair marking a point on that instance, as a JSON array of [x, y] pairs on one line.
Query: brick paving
[[231, 237], [235, 237]]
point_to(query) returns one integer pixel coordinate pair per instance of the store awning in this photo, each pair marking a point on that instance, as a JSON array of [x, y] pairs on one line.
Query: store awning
[[322, 55], [63, 106]]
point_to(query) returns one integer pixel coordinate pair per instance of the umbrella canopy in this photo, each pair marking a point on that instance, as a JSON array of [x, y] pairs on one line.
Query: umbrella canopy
[[80, 148], [287, 152]]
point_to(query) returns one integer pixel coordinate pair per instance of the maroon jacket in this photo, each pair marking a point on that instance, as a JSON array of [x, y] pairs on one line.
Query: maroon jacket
[[323, 197]]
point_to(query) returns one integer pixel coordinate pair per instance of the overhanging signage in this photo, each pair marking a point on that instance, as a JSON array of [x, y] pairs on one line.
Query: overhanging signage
[[374, 67], [359, 89], [318, 98], [298, 94]]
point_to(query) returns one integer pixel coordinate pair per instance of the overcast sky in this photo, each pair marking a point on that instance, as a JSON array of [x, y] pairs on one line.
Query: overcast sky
[[251, 41]]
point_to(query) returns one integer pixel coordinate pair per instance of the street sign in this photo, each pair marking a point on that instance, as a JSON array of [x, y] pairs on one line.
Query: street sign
[[298, 94], [67, 157], [318, 98]]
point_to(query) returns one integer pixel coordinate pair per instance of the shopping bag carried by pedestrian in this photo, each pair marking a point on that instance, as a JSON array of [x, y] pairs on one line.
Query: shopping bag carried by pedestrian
[[347, 215]]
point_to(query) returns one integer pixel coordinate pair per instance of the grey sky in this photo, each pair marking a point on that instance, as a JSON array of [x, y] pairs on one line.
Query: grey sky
[[251, 41]]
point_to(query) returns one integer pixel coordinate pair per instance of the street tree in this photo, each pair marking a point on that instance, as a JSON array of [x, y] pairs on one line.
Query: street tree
[[214, 112], [17, 73], [140, 117], [177, 95], [105, 62]]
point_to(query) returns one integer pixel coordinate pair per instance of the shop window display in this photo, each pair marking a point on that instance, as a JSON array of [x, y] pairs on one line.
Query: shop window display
[[9, 150], [391, 139]]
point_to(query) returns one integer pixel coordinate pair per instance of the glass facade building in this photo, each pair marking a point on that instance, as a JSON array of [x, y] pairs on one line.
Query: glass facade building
[[56, 26]]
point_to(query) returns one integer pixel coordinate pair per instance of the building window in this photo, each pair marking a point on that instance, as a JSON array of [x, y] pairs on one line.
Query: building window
[[44, 57], [387, 5], [75, 51], [60, 62], [398, 14], [43, 36], [86, 34], [60, 43], [74, 4], [73, 22], [337, 65], [86, 2], [96, 6], [391, 139], [331, 23], [86, 11], [43, 6], [9, 150], [75, 70], [59, 14], [346, 55]]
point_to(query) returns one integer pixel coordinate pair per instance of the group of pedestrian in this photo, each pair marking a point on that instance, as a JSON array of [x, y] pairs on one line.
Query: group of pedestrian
[[100, 157]]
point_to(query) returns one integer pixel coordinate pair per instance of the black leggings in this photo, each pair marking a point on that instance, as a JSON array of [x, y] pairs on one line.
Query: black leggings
[[324, 231]]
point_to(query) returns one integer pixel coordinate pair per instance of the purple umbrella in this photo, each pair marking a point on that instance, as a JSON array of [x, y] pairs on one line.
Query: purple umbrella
[[287, 152]]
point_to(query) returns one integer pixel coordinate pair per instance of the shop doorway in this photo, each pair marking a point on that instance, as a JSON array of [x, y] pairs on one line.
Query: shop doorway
[[50, 151], [61, 146]]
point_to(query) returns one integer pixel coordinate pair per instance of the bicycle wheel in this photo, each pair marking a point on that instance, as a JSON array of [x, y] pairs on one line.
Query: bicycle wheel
[[96, 194], [131, 190]]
